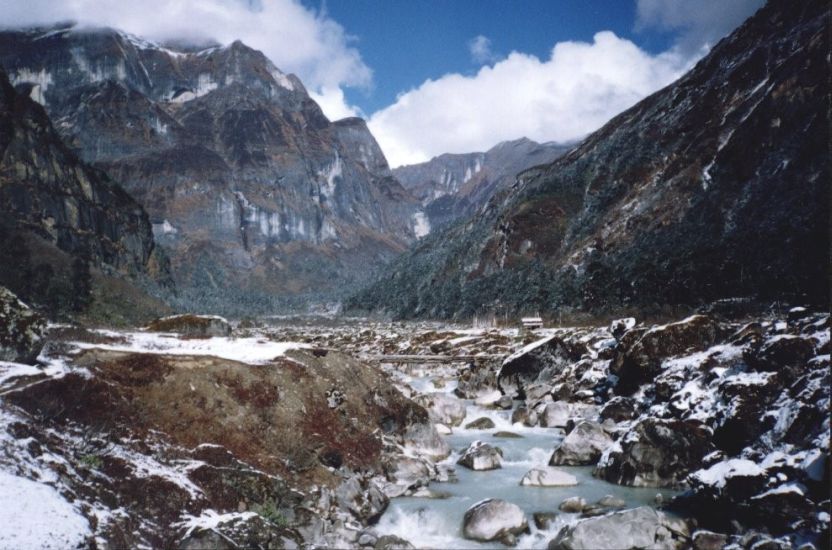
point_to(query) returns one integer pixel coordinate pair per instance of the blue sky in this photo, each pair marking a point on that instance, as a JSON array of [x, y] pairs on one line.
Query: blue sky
[[407, 42], [442, 76]]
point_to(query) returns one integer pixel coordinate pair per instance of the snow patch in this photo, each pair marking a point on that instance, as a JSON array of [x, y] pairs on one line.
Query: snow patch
[[421, 225], [40, 82], [34, 515]]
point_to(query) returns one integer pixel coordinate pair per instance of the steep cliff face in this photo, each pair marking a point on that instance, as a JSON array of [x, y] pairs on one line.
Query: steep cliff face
[[247, 183], [455, 186], [47, 190], [716, 186]]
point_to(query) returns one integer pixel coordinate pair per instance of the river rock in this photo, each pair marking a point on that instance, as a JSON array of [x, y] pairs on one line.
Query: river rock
[[536, 392], [546, 476], [481, 456], [555, 415], [544, 520], [508, 435], [637, 528], [392, 542], [442, 429], [656, 453], [489, 399], [708, 540], [423, 439], [620, 326], [21, 330], [609, 501], [782, 351], [582, 446], [443, 408], [194, 326], [636, 362], [523, 368], [408, 472], [572, 505], [619, 409], [482, 423], [493, 519], [362, 498]]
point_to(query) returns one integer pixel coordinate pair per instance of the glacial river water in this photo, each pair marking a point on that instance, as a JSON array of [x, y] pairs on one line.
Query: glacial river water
[[437, 523]]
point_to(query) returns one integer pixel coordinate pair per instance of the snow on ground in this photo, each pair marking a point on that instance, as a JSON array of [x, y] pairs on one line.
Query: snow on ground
[[211, 519], [254, 351], [34, 515]]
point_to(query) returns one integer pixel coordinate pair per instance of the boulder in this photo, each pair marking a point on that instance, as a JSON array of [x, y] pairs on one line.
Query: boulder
[[195, 326], [240, 530], [408, 472], [656, 453], [708, 540], [555, 415], [536, 392], [637, 528], [507, 435], [392, 542], [637, 362], [619, 326], [481, 456], [443, 408], [619, 409], [488, 399], [494, 520], [572, 505], [609, 501], [532, 363], [784, 351], [544, 520], [21, 330], [483, 423], [424, 440], [583, 445], [546, 476], [362, 498]]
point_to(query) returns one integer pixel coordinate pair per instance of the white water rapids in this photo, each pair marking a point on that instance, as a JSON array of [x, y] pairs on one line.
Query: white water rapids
[[437, 523]]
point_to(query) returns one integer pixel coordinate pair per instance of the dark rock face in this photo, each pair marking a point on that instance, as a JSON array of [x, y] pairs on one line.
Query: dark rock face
[[246, 181], [456, 186], [46, 191], [21, 330], [656, 453], [713, 187]]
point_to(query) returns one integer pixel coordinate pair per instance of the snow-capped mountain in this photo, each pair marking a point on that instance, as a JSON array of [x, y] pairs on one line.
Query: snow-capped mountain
[[247, 183]]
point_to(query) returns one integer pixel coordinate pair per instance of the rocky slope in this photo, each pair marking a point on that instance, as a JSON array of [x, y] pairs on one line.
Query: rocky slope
[[148, 439], [247, 183], [714, 187], [456, 186], [61, 217]]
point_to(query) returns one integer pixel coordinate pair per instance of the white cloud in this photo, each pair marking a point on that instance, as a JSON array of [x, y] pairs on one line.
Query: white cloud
[[334, 104], [575, 91], [480, 48], [700, 23], [297, 40]]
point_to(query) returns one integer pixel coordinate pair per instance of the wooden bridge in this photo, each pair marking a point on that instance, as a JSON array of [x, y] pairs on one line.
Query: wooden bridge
[[441, 359]]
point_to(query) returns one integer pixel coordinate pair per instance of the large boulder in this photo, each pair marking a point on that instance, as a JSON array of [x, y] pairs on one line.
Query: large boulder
[[535, 362], [656, 453], [481, 456], [784, 351], [637, 528], [546, 476], [443, 408], [555, 415], [583, 445], [423, 439], [21, 330], [494, 519], [362, 498], [195, 326], [639, 359]]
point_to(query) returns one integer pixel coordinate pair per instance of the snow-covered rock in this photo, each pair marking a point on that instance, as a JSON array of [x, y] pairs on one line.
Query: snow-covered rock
[[546, 476]]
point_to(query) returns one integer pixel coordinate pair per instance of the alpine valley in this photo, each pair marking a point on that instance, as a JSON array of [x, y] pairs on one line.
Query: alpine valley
[[227, 323]]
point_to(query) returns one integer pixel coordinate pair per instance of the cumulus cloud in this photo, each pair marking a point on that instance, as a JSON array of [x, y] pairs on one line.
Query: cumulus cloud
[[576, 90], [700, 24], [480, 48], [296, 39], [334, 104]]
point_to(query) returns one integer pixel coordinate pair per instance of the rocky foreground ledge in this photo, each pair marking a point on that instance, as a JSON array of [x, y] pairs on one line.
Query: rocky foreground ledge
[[281, 437]]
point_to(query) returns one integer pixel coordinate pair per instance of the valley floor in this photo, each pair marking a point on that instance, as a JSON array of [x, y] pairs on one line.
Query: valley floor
[[701, 433]]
